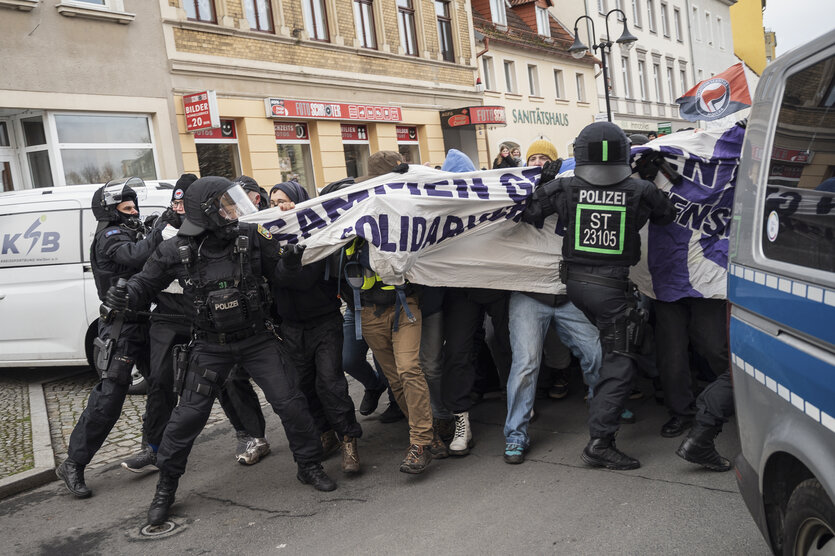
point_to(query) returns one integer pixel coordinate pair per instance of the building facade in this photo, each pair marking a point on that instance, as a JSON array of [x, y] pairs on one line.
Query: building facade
[[749, 34], [526, 69], [711, 37]]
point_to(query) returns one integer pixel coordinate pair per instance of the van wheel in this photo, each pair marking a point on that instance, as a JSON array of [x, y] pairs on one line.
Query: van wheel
[[809, 528], [138, 384]]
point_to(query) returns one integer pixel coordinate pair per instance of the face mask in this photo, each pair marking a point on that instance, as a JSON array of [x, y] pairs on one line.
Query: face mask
[[130, 221]]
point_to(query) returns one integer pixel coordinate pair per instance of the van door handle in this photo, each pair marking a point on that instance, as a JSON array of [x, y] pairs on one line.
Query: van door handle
[[88, 268]]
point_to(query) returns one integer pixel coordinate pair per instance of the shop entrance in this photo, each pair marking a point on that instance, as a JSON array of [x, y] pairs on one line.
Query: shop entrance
[[217, 151]]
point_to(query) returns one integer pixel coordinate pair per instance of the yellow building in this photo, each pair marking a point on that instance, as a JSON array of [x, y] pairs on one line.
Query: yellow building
[[749, 34]]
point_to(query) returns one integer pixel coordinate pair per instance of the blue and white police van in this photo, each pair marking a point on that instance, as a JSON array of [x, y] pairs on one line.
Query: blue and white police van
[[781, 287]]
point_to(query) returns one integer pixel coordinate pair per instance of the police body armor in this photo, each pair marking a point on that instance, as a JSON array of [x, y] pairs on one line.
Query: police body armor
[[106, 272]]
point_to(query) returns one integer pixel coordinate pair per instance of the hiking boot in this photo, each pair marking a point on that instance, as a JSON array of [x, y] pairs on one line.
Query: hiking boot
[[256, 449], [313, 474], [699, 448], [559, 389], [514, 453], [73, 476], [392, 414], [369, 402], [416, 460], [438, 449], [462, 440], [163, 499], [602, 452], [444, 428], [146, 460], [330, 443], [350, 457]]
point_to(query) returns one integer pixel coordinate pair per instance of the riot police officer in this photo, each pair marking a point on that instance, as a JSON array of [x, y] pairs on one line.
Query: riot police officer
[[119, 250], [222, 266], [602, 209]]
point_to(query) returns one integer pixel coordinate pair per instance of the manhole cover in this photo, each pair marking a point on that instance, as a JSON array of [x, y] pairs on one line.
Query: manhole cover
[[154, 532]]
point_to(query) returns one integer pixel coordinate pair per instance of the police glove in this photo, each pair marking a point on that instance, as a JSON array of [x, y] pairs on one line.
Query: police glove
[[150, 221], [168, 217], [550, 171], [292, 255], [116, 298]]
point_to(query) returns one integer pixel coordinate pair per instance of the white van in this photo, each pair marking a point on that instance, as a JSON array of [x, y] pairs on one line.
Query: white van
[[49, 307]]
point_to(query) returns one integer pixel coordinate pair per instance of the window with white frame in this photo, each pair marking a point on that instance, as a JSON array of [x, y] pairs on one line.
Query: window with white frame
[[601, 6], [656, 78], [627, 77], [36, 148], [671, 89], [559, 85], [315, 19], [636, 13], [581, 87], [95, 148], [497, 12], [651, 15], [259, 14], [364, 23], [708, 29], [677, 23], [694, 24], [510, 76], [533, 80], [642, 79], [720, 36], [619, 5], [200, 10], [543, 23], [487, 73], [682, 75], [665, 20], [406, 25]]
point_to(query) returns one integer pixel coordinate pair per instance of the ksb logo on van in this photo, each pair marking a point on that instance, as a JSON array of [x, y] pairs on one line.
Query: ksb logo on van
[[49, 241]]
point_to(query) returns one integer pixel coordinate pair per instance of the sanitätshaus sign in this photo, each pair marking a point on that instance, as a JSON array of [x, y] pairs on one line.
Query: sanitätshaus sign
[[539, 117]]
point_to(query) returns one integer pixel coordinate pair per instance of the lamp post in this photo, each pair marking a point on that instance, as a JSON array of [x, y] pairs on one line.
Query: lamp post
[[578, 49]]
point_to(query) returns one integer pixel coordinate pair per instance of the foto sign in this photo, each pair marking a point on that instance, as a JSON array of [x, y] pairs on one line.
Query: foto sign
[[201, 111]]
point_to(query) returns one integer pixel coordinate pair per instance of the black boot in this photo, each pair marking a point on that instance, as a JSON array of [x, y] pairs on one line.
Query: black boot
[[163, 498], [698, 448], [602, 452], [73, 476], [313, 474]]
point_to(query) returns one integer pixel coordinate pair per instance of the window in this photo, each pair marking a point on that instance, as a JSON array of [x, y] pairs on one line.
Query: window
[[510, 76], [707, 29], [694, 23], [408, 144], [497, 12], [581, 88], [364, 23], [670, 86], [259, 14], [200, 10], [651, 15], [533, 80], [636, 13], [37, 155], [683, 78], [656, 77], [444, 30], [293, 145], [642, 79], [356, 149], [627, 78], [665, 20], [601, 6], [315, 19], [406, 23], [487, 73], [619, 5], [797, 213], [559, 86], [720, 36], [543, 23], [98, 148], [217, 151], [677, 23]]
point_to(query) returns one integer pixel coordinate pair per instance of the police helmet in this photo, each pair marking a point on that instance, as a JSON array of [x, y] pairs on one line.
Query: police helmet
[[111, 194], [212, 203], [601, 152]]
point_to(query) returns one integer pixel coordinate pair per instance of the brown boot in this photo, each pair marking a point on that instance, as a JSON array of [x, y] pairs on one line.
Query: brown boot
[[416, 460], [438, 449], [330, 443], [350, 457], [445, 428]]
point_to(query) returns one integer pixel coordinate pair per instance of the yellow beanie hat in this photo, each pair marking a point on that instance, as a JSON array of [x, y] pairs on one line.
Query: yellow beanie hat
[[541, 146]]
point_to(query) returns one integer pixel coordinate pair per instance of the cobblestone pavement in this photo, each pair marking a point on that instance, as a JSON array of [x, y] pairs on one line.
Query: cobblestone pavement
[[15, 427], [67, 398]]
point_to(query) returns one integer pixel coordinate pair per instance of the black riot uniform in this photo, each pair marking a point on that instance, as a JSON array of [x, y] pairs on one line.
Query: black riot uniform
[[222, 266], [603, 209], [119, 250]]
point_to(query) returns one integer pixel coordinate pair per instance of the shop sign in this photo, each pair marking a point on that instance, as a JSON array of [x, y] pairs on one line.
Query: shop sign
[[291, 131], [354, 132], [225, 131], [539, 117], [284, 108], [785, 155], [407, 134], [472, 116], [601, 117], [633, 125], [201, 111], [665, 128]]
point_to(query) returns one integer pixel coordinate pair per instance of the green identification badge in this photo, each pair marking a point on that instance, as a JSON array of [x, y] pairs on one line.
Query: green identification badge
[[600, 229]]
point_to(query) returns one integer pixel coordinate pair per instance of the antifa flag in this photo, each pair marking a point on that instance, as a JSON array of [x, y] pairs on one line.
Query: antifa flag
[[716, 97]]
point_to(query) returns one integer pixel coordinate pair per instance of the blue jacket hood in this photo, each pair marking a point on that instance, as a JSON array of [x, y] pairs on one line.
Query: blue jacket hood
[[456, 161]]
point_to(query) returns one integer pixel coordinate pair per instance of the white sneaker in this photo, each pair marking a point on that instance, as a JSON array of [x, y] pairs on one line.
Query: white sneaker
[[255, 450], [462, 440]]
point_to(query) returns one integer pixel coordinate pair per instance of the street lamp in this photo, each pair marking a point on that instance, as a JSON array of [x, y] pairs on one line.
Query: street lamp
[[578, 49]]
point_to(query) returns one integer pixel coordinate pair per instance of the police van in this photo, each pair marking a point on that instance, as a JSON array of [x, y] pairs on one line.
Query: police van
[[49, 307], [781, 286]]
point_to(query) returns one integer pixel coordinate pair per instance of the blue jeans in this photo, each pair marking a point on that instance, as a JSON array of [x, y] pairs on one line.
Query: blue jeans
[[529, 321]]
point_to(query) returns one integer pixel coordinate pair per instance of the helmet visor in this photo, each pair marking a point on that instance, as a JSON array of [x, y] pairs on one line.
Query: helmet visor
[[116, 191], [234, 203]]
